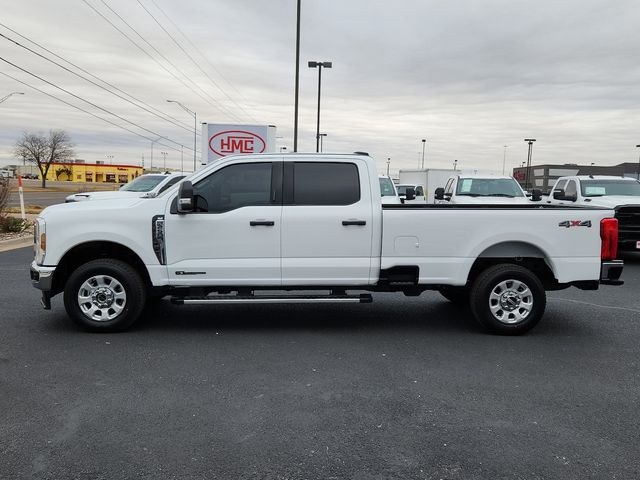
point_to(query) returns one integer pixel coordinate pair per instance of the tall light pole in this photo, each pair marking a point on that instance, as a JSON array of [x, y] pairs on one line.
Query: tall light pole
[[504, 158], [9, 95], [322, 135], [424, 144], [529, 154], [319, 66], [295, 108], [455, 165], [388, 164], [638, 146], [195, 128], [164, 160]]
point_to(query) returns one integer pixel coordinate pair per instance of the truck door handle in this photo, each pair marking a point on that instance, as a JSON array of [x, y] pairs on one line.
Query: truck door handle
[[360, 223], [262, 223]]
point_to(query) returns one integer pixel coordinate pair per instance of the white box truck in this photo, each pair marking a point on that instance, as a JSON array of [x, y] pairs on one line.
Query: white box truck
[[429, 178]]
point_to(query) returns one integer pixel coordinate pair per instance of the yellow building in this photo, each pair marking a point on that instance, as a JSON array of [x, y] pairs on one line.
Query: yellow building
[[93, 172]]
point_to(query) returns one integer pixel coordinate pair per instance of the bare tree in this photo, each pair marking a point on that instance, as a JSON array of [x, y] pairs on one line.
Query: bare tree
[[44, 150]]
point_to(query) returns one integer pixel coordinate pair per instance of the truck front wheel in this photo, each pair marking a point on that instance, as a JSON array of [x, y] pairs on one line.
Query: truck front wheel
[[105, 295], [508, 299]]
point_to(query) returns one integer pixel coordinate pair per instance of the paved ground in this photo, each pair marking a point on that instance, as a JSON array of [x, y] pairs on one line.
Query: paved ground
[[402, 388], [42, 199]]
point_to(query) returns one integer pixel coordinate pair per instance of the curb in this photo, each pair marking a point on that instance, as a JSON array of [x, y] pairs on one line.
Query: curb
[[14, 243]]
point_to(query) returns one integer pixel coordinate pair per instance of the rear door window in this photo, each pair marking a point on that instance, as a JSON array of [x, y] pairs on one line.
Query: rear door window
[[325, 183]]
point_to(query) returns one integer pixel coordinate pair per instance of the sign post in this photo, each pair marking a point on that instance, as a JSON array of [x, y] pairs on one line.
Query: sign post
[[21, 194]]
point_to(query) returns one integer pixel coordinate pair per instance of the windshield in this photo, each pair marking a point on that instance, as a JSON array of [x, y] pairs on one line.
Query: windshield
[[145, 183], [599, 188], [488, 187], [386, 187]]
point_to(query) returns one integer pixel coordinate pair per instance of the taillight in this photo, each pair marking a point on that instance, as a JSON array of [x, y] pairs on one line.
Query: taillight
[[609, 235]]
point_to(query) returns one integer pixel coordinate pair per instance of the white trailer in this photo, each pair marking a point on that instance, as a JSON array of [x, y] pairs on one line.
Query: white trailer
[[429, 178]]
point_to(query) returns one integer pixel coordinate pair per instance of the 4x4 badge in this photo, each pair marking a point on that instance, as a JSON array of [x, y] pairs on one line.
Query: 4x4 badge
[[575, 223]]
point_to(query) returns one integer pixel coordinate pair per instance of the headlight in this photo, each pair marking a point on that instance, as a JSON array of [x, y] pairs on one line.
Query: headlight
[[40, 240]]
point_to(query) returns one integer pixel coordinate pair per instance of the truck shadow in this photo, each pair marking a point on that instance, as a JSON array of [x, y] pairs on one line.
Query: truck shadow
[[393, 314]]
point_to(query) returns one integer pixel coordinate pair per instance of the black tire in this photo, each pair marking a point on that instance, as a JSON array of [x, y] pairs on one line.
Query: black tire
[[510, 301], [457, 295], [118, 315]]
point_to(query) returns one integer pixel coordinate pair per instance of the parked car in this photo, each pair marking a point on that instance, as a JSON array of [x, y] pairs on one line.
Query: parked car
[[150, 185], [307, 222], [483, 189], [619, 193]]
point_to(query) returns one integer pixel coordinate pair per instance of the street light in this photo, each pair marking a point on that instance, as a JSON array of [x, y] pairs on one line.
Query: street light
[[638, 146], [529, 154], [164, 160], [195, 128], [424, 143], [322, 135], [388, 164], [9, 95], [455, 165], [504, 158], [319, 66]]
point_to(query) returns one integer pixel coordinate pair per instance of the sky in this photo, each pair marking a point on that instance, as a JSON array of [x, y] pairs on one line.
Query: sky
[[468, 76]]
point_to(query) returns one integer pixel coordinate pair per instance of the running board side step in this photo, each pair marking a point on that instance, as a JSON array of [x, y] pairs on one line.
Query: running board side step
[[274, 299]]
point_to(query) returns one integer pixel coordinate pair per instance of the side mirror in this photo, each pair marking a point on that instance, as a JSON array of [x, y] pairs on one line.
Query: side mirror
[[410, 193], [439, 193], [185, 197], [536, 195], [558, 194]]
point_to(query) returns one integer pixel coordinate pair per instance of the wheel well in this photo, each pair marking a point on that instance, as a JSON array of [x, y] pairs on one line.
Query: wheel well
[[85, 252], [538, 266]]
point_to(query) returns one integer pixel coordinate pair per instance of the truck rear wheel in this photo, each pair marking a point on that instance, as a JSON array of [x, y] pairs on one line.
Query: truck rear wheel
[[508, 299], [105, 295]]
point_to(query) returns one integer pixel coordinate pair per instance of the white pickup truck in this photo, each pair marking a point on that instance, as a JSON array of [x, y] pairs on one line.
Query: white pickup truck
[[247, 228], [483, 189], [618, 193]]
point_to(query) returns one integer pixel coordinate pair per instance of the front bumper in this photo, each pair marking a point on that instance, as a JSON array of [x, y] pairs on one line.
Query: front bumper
[[610, 272], [42, 279]]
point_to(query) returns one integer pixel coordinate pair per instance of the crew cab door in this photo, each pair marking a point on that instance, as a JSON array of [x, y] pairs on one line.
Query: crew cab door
[[233, 236], [327, 223]]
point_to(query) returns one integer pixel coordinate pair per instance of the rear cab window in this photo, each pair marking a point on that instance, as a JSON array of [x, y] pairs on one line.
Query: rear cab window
[[325, 183]]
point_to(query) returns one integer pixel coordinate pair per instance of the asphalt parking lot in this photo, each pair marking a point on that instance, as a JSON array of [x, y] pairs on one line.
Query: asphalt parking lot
[[401, 388]]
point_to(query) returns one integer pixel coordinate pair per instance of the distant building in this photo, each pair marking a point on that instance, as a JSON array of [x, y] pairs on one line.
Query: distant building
[[93, 172], [544, 177]]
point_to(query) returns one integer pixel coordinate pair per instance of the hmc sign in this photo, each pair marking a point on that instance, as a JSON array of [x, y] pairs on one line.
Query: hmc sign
[[221, 140]]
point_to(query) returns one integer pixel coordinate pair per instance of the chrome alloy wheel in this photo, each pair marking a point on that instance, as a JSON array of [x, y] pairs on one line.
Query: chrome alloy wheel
[[102, 298], [510, 301]]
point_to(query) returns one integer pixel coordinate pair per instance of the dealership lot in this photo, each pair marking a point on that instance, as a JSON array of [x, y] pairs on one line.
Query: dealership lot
[[402, 388]]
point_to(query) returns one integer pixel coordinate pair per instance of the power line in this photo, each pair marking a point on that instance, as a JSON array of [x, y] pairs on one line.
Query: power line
[[161, 116], [86, 101], [91, 113], [194, 62], [195, 47], [143, 50], [212, 101]]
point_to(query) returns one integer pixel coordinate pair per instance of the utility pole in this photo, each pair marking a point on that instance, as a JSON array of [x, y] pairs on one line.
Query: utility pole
[[295, 114]]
